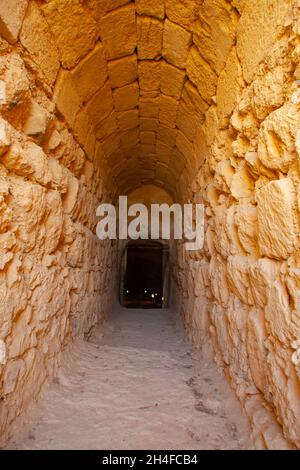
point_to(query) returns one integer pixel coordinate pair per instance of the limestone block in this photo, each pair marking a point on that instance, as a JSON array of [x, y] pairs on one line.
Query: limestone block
[[53, 222], [242, 184], [29, 161], [14, 371], [171, 80], [70, 154], [111, 144], [149, 124], [238, 278], [126, 97], [214, 32], [257, 30], [73, 29], [128, 119], [28, 203], [276, 234], [217, 275], [262, 275], [81, 126], [224, 175], [70, 198], [122, 71], [256, 349], [192, 101], [176, 44], [90, 143], [37, 39], [167, 135], [187, 122], [201, 74], [66, 97], [247, 226], [118, 32], [149, 107], [276, 148], [107, 127], [278, 314], [101, 7], [101, 105], [168, 111], [14, 74], [149, 38], [37, 120], [183, 12], [148, 137], [11, 18], [59, 178], [5, 138], [154, 8], [229, 87], [184, 146], [130, 138], [269, 90], [149, 75], [90, 74]]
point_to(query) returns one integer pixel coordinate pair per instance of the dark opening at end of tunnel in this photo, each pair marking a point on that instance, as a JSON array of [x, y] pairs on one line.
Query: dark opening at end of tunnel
[[144, 275]]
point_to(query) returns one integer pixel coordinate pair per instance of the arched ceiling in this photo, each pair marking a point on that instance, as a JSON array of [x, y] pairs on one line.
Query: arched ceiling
[[135, 80]]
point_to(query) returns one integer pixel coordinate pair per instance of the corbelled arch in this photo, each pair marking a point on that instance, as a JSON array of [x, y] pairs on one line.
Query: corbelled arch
[[197, 97]]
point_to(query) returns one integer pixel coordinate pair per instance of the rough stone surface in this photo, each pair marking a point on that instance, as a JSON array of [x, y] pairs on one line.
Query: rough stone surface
[[98, 98], [118, 32], [11, 17]]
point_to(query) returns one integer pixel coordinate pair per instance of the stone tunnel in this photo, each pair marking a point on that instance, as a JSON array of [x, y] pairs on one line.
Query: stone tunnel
[[193, 101]]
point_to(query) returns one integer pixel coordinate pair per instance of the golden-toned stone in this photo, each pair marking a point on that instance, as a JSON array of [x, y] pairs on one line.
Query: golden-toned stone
[[276, 234], [74, 31], [123, 71], [66, 97], [151, 8], [201, 74], [128, 119], [149, 75], [149, 38], [149, 124], [171, 80], [148, 137], [149, 107], [90, 74], [183, 12], [101, 105], [11, 17], [36, 38], [168, 110], [118, 32], [107, 127], [126, 97], [176, 44]]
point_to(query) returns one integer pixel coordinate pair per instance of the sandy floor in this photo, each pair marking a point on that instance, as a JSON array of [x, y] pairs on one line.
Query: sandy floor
[[138, 387]]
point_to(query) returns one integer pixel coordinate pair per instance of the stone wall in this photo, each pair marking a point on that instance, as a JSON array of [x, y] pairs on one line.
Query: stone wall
[[242, 292], [198, 97], [55, 275]]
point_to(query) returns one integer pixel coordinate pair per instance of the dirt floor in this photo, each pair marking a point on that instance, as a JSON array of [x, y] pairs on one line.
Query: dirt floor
[[138, 386]]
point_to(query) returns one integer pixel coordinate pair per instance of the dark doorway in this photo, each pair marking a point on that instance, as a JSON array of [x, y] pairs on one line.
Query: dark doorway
[[143, 284]]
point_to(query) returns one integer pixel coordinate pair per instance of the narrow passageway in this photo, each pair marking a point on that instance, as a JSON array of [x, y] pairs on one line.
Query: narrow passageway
[[138, 387]]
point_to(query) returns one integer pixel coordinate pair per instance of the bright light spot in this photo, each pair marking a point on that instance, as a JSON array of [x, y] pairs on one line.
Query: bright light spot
[[156, 294], [152, 296], [127, 292], [145, 291], [162, 298]]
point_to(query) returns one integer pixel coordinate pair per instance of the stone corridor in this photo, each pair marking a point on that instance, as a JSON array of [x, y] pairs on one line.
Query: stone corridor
[[122, 391], [186, 101]]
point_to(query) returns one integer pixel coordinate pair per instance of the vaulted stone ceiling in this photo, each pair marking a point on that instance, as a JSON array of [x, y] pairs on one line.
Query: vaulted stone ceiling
[[134, 79]]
